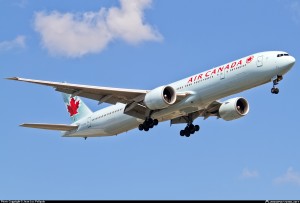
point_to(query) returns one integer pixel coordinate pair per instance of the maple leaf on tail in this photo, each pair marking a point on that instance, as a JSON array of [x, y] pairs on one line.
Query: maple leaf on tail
[[73, 107]]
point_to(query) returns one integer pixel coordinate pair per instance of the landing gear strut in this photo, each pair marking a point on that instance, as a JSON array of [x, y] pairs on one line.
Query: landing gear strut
[[274, 89], [148, 123], [189, 130]]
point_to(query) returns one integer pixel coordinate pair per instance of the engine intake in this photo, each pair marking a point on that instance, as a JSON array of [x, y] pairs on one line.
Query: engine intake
[[234, 108], [160, 98]]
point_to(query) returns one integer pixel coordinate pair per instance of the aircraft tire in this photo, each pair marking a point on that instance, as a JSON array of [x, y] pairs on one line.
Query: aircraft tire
[[192, 131], [191, 127], [141, 127]]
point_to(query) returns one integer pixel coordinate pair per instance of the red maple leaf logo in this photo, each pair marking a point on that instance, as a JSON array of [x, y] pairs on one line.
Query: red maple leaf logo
[[249, 59], [73, 107]]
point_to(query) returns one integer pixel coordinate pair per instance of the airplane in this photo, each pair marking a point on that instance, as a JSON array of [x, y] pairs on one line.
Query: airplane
[[179, 102]]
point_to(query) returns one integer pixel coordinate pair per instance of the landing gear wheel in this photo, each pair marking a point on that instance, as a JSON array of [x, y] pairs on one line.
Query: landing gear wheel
[[146, 128], [141, 127], [190, 129], [148, 124], [149, 121], [187, 131], [274, 90]]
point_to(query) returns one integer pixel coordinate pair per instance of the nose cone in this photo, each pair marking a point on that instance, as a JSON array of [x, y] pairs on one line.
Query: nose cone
[[285, 63], [291, 61]]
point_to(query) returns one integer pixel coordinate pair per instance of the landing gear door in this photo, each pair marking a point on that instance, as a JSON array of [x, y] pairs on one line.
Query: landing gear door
[[259, 61]]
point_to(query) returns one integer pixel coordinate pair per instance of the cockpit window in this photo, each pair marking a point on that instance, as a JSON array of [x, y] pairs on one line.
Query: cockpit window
[[280, 55]]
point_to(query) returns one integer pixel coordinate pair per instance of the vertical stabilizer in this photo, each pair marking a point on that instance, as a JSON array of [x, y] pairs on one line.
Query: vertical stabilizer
[[76, 107]]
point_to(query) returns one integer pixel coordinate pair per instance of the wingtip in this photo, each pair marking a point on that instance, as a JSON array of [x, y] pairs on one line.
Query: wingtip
[[12, 78], [24, 125]]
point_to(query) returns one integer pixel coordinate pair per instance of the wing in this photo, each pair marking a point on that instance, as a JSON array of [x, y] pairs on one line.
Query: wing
[[132, 97], [45, 126], [211, 110], [100, 94]]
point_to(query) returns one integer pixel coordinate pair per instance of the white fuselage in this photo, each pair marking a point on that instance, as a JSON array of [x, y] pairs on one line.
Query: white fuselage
[[204, 88]]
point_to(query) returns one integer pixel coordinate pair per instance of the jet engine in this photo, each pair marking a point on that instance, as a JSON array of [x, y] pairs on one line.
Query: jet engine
[[234, 108], [160, 98]]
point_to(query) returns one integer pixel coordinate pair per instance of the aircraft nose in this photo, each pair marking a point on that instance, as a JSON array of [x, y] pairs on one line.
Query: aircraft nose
[[285, 64], [291, 61]]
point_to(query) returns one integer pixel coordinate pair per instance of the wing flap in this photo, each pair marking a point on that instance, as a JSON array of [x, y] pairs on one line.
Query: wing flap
[[46, 126], [210, 110]]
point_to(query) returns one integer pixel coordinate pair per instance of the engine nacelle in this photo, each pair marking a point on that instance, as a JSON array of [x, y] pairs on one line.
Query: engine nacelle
[[234, 108], [160, 98]]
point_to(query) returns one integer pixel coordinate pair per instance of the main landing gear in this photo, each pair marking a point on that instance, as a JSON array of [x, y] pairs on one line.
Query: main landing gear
[[189, 130], [148, 123], [274, 89]]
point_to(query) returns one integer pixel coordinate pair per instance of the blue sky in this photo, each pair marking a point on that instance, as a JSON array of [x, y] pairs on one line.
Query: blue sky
[[142, 45]]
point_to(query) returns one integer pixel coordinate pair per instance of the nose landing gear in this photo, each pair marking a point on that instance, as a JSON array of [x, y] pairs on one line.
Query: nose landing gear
[[274, 89]]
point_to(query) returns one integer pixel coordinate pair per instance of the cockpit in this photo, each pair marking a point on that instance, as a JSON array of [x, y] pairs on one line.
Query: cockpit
[[284, 62], [280, 55]]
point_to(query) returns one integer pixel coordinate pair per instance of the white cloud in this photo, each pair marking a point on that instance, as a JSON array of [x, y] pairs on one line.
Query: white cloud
[[291, 176], [127, 22], [18, 42], [75, 35], [249, 174]]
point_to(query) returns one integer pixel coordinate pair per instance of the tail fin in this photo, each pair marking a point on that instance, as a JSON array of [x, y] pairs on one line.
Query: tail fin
[[76, 107]]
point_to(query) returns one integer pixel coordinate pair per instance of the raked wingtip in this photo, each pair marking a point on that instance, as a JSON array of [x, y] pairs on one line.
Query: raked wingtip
[[12, 78]]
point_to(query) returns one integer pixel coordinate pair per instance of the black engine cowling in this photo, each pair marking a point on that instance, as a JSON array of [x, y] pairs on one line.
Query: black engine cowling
[[160, 98]]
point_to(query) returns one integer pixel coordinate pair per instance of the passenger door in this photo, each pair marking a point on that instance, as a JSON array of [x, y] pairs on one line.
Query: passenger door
[[259, 61]]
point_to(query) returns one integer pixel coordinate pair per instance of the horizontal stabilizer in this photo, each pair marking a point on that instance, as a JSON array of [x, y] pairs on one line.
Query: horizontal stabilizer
[[45, 126]]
